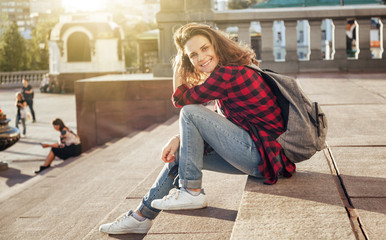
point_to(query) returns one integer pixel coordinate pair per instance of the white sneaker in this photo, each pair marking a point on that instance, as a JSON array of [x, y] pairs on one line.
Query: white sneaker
[[180, 200], [126, 224]]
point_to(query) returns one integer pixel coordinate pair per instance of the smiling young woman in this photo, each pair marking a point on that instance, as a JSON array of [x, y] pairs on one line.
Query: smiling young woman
[[210, 66]]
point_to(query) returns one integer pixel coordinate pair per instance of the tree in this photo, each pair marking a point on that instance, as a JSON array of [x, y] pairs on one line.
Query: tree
[[241, 4], [13, 50], [38, 45], [131, 30]]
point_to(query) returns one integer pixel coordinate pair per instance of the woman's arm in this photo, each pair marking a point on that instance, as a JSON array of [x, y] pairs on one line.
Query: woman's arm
[[214, 87], [54, 145], [169, 150]]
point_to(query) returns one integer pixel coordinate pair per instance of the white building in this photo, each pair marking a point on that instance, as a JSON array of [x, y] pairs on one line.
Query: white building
[[85, 45]]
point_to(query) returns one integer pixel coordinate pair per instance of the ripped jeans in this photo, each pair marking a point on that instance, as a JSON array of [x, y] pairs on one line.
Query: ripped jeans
[[234, 152]]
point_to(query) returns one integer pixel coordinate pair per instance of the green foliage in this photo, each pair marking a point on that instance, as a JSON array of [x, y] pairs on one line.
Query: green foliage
[[131, 29], [19, 54], [13, 50], [241, 4], [38, 45]]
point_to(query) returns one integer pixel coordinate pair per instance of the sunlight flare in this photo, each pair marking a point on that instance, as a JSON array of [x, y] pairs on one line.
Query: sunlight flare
[[84, 5]]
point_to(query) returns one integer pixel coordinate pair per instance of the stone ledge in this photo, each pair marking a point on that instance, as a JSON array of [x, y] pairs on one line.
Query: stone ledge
[[113, 106]]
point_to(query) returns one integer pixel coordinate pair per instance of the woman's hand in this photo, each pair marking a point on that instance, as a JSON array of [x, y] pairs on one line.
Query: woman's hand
[[169, 150], [177, 79], [45, 145]]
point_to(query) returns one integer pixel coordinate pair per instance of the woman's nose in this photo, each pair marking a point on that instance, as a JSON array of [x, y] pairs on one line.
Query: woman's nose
[[199, 56]]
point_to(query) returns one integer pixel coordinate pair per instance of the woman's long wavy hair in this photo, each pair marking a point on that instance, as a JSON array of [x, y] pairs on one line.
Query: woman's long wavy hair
[[228, 51]]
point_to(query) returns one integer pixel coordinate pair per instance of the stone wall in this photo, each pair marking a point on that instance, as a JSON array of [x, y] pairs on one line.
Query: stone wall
[[114, 106]]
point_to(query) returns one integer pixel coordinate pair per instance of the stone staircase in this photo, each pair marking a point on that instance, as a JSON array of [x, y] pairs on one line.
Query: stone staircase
[[72, 199]]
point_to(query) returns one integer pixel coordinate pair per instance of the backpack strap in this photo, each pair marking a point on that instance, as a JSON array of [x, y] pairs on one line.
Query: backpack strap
[[282, 101]]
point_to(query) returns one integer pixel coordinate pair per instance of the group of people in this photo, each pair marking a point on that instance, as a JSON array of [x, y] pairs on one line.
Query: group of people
[[24, 99], [69, 142]]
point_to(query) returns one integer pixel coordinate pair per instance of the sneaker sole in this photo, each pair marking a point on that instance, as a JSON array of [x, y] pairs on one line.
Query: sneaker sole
[[185, 207], [137, 231]]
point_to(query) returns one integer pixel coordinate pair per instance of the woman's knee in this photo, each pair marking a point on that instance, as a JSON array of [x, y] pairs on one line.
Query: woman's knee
[[193, 109]]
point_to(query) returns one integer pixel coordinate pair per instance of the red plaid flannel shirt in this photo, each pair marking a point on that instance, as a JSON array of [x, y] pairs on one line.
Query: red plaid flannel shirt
[[243, 96]]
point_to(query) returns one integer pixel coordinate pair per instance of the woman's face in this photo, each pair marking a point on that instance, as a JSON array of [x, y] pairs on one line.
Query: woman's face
[[201, 54], [57, 127]]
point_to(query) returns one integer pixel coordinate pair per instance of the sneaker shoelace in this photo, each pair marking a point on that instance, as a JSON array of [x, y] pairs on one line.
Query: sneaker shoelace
[[123, 217], [173, 193]]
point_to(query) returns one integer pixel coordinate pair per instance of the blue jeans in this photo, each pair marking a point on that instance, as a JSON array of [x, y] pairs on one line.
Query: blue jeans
[[234, 152], [30, 104], [18, 118]]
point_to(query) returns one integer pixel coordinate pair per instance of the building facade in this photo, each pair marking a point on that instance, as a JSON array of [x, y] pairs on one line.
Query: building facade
[[18, 11], [85, 45]]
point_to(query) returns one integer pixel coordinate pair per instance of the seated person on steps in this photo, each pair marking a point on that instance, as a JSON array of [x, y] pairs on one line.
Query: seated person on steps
[[210, 66], [68, 145]]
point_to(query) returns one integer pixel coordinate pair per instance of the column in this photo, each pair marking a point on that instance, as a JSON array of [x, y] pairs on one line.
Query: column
[[267, 41], [173, 14], [291, 41], [244, 35], [315, 39], [340, 39]]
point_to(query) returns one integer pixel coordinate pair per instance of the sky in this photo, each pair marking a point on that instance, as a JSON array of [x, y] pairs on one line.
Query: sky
[[84, 5]]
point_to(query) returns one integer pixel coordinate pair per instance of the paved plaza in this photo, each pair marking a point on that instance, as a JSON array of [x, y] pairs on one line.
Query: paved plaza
[[27, 155], [338, 194]]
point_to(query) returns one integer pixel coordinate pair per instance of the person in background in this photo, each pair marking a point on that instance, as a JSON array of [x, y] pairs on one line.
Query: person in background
[[28, 94], [21, 112], [68, 145], [45, 83]]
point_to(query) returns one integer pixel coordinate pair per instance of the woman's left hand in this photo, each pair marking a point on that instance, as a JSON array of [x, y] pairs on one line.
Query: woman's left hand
[[168, 152]]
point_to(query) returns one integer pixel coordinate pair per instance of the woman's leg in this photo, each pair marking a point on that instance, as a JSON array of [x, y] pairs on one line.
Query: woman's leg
[[31, 108], [24, 129], [232, 144], [17, 121], [161, 187], [50, 157]]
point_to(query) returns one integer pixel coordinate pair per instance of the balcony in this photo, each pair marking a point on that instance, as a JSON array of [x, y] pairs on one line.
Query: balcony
[[322, 38]]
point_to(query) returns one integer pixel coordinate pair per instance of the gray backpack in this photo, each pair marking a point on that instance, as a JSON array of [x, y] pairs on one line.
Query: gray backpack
[[306, 124]]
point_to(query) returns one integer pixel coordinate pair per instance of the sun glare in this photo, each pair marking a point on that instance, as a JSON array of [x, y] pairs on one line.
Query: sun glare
[[83, 5]]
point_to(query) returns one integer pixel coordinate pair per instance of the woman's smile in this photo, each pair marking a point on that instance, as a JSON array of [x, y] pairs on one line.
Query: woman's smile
[[201, 54]]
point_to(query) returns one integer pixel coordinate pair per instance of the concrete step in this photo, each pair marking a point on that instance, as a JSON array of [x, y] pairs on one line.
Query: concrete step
[[305, 206], [224, 193], [72, 200]]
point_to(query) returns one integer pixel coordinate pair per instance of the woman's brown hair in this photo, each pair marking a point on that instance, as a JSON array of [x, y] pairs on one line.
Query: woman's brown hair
[[59, 122], [228, 51]]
